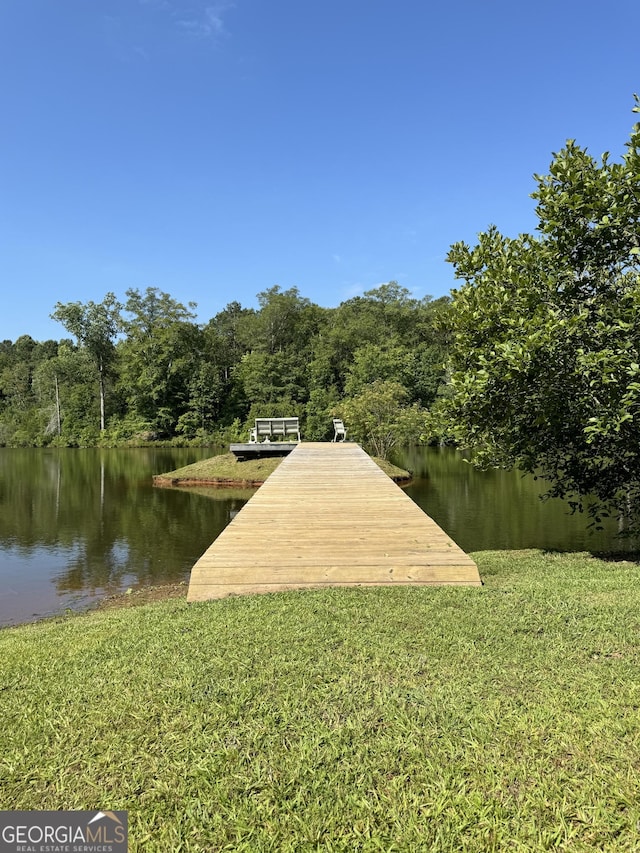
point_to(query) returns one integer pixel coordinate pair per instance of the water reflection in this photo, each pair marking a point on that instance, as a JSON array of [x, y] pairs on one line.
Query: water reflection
[[483, 510], [79, 524]]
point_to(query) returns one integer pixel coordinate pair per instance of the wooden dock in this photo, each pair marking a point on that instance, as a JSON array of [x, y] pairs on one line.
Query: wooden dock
[[329, 516], [261, 450]]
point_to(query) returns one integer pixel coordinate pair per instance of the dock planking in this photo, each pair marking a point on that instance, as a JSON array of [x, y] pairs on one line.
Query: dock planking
[[329, 516]]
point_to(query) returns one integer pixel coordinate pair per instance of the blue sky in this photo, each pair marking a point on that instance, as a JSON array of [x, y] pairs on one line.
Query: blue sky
[[215, 149]]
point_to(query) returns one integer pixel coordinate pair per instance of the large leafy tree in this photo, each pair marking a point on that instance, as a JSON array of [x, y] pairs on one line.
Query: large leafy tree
[[159, 358], [228, 336], [25, 404], [384, 334], [379, 417], [275, 366], [546, 336], [95, 326]]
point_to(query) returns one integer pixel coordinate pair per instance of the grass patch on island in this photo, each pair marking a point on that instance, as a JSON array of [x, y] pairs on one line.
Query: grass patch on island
[[385, 719], [226, 468]]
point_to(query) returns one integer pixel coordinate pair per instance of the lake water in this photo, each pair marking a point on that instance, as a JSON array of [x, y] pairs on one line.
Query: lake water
[[488, 510], [76, 525]]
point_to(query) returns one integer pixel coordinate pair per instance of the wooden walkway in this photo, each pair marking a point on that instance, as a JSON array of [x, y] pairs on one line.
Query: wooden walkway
[[328, 516]]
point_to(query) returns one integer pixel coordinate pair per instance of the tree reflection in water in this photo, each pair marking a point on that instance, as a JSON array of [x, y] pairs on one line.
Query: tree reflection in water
[[79, 524]]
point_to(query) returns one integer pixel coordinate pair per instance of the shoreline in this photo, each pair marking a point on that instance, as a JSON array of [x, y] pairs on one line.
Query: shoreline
[[126, 599], [164, 482], [138, 596], [159, 592]]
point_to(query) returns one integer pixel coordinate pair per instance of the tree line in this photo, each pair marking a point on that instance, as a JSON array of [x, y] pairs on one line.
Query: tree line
[[142, 369], [533, 363]]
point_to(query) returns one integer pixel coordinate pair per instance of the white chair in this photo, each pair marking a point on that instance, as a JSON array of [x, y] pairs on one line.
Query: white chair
[[339, 430]]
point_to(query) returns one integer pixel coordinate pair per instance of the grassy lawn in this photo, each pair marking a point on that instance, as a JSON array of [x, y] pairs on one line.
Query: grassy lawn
[[226, 467], [444, 719]]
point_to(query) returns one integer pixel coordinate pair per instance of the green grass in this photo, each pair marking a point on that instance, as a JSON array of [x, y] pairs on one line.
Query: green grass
[[391, 719], [227, 467]]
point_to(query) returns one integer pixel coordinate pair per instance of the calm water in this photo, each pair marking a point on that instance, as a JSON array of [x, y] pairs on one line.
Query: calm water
[[76, 525], [485, 510]]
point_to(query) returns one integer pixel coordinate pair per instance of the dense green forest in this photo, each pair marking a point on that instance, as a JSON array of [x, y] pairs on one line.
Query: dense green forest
[[143, 370]]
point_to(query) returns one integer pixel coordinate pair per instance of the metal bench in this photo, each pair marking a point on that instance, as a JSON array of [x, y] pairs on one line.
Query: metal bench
[[268, 429], [339, 430]]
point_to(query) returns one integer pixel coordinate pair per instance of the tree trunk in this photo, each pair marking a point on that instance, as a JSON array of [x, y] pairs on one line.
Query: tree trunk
[[101, 400], [58, 418]]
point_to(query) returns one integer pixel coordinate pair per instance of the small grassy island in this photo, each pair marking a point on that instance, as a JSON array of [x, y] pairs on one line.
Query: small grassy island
[[225, 470]]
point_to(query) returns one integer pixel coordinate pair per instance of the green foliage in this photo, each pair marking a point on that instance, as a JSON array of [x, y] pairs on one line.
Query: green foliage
[[230, 433], [269, 377], [285, 321], [274, 365], [95, 327], [319, 411], [206, 392], [378, 362], [146, 371], [159, 358], [127, 429], [545, 337], [380, 419]]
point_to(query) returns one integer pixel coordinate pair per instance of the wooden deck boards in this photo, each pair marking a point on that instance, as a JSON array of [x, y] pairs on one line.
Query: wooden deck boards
[[328, 516]]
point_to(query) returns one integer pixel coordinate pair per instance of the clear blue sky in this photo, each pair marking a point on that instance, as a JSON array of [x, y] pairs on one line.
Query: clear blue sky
[[214, 149]]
